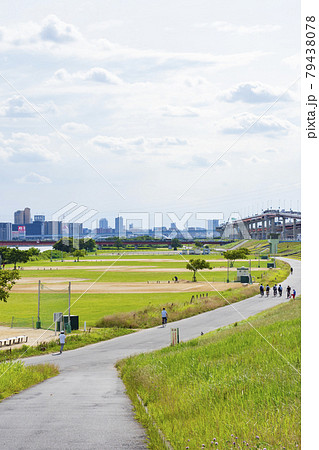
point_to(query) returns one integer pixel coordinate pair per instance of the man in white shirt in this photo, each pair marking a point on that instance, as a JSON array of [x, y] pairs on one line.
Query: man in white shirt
[[62, 341]]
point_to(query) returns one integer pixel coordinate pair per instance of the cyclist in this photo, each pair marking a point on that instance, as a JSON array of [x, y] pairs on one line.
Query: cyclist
[[267, 290], [261, 290], [275, 290], [280, 290]]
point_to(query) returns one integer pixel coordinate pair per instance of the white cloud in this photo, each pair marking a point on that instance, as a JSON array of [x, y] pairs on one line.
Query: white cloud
[[254, 92], [228, 27], [136, 145], [55, 30], [25, 147], [179, 111], [96, 74], [17, 106], [74, 127], [292, 61], [253, 124], [33, 178]]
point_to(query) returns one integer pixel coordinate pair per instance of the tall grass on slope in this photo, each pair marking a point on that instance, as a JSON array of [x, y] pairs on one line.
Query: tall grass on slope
[[73, 341], [150, 315], [15, 377], [227, 389]]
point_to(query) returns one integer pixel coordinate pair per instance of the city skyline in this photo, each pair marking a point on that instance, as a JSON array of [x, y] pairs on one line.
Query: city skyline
[[131, 106]]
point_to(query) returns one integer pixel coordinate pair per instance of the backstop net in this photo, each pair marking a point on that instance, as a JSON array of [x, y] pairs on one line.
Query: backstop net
[[52, 301]]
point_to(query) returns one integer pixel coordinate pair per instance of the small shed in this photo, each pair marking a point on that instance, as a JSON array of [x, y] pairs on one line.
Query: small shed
[[243, 275]]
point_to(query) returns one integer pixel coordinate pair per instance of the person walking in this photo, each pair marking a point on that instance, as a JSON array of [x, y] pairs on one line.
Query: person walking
[[294, 293], [280, 290], [288, 291], [62, 341], [261, 290], [164, 317], [267, 290], [291, 270], [275, 290]]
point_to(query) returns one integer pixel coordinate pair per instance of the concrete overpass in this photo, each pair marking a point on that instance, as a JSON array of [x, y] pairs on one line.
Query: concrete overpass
[[287, 224]]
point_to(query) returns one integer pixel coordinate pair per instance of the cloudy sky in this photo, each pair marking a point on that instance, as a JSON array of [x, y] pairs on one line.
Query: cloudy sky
[[149, 106]]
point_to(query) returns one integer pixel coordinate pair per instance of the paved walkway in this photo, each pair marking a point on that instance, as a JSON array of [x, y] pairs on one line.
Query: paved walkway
[[86, 407]]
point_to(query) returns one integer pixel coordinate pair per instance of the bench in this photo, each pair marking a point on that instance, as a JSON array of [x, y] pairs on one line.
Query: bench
[[13, 340]]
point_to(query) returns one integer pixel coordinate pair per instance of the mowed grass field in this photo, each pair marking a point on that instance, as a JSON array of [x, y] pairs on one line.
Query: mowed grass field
[[237, 387], [106, 268]]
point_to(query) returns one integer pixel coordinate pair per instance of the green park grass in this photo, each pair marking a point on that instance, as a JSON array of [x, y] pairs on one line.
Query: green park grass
[[15, 377], [104, 275], [175, 263], [93, 306], [238, 386]]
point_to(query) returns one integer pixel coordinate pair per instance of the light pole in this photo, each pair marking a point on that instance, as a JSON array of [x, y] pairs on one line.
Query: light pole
[[227, 270]]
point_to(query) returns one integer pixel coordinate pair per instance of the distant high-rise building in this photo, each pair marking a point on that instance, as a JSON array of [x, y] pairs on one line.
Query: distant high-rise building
[[103, 223], [19, 217], [22, 217], [39, 218], [27, 215], [5, 231], [119, 227], [212, 227]]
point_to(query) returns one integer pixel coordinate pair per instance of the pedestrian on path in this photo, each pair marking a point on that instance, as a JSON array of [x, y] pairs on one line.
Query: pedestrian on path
[[62, 341], [288, 291], [293, 293], [291, 270], [164, 317]]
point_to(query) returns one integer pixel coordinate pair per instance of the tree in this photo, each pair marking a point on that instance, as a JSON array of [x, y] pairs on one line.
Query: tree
[[7, 280], [64, 245], [197, 264], [88, 244], [14, 256], [198, 244], [79, 254], [33, 252], [176, 243], [118, 243], [232, 255]]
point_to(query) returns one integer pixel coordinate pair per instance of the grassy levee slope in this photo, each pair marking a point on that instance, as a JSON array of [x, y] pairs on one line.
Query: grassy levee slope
[[237, 387], [15, 377], [74, 340]]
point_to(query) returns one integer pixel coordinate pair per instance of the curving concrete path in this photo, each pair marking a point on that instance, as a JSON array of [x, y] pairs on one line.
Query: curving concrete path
[[86, 407]]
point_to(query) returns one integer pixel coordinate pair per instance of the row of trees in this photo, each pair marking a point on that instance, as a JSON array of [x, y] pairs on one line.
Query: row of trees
[[15, 256], [70, 245]]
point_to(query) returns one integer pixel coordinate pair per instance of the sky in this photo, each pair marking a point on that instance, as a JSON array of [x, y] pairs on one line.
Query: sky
[[179, 106]]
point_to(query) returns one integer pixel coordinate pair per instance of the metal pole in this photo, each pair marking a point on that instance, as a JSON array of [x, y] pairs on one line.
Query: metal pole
[[227, 270], [69, 319], [39, 287], [38, 324]]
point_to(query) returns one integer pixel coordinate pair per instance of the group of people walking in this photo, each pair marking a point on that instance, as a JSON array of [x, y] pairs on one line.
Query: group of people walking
[[277, 290]]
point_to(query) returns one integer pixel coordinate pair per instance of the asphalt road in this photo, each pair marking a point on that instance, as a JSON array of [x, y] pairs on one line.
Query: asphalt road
[[86, 407]]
